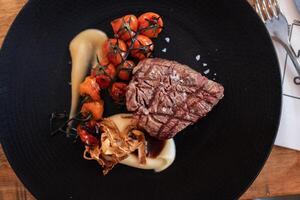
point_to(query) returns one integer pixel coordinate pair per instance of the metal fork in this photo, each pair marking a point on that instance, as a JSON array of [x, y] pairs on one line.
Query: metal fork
[[277, 25]]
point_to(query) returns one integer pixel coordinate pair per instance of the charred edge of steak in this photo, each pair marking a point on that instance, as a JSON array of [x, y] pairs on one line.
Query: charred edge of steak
[[167, 96]]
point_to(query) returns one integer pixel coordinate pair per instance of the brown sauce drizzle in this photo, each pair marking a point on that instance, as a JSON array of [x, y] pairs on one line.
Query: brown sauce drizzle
[[154, 146]]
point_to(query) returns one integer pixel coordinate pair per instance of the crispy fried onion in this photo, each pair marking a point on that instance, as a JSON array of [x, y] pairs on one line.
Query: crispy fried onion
[[116, 146]]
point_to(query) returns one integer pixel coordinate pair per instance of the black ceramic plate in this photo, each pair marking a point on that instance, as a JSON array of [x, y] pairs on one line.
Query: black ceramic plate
[[217, 158]]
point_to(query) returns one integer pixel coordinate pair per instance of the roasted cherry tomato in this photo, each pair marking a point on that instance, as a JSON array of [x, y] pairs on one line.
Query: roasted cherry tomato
[[104, 67], [95, 108], [91, 124], [150, 24], [114, 50], [118, 91], [92, 127], [142, 47], [86, 137], [110, 71], [125, 70], [125, 27], [90, 87], [103, 81], [104, 73]]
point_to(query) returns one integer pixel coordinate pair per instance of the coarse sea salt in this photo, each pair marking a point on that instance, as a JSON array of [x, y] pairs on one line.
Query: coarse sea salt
[[174, 76], [164, 50], [204, 64], [198, 57], [167, 39], [206, 71], [146, 111], [184, 95]]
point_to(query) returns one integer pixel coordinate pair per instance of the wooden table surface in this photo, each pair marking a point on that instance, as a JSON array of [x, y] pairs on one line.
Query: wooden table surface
[[280, 175]]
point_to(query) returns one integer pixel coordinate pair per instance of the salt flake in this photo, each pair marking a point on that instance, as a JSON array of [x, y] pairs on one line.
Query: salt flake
[[198, 57], [206, 71], [174, 76]]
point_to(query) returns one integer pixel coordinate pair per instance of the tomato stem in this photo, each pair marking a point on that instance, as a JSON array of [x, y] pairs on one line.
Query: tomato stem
[[61, 128]]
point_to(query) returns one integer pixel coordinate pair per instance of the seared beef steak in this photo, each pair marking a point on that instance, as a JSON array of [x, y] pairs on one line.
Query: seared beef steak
[[167, 96]]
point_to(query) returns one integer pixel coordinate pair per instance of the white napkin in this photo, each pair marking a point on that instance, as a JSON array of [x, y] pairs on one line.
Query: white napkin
[[289, 129]]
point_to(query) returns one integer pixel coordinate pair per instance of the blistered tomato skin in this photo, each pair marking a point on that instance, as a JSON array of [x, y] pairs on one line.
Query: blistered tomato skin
[[118, 91], [95, 108], [142, 47], [115, 51], [125, 27], [125, 70], [89, 87], [86, 137], [150, 24]]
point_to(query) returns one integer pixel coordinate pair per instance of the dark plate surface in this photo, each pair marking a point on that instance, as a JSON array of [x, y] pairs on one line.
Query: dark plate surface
[[217, 158]]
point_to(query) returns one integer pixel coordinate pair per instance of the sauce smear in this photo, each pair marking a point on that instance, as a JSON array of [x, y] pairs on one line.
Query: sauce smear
[[154, 146]]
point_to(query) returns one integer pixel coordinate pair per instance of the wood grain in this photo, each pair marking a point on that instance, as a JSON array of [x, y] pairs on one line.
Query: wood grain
[[10, 186], [8, 11], [280, 175]]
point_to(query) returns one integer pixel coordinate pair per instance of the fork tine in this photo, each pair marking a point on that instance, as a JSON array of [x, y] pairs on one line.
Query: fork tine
[[273, 8], [259, 10], [276, 5], [265, 9]]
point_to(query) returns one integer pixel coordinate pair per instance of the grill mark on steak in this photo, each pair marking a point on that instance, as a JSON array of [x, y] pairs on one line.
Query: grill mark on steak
[[145, 81], [156, 120], [161, 114], [174, 111], [172, 108], [153, 96], [161, 127], [169, 96], [148, 71]]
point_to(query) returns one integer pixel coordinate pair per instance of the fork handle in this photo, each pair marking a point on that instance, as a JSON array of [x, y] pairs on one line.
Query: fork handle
[[291, 54]]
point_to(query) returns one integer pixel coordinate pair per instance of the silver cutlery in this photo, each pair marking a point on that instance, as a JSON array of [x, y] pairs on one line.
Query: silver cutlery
[[277, 25], [297, 4]]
